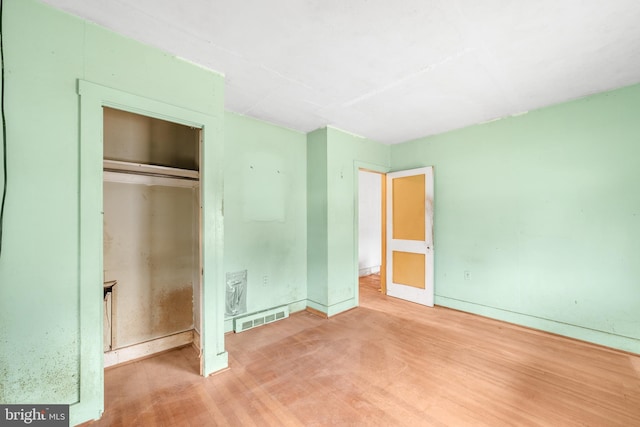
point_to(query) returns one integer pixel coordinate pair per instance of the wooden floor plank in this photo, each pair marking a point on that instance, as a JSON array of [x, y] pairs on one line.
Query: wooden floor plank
[[389, 362]]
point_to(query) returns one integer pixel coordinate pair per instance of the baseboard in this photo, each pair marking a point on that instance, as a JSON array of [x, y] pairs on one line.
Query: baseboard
[[369, 270], [294, 307], [215, 363], [147, 348], [196, 342], [567, 330], [317, 312], [332, 310]]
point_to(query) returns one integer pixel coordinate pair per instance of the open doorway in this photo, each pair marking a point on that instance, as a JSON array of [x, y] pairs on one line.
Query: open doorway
[[151, 236], [371, 228], [395, 232], [93, 100]]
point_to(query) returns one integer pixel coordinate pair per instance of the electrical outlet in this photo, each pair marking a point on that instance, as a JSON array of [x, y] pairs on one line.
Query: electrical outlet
[[467, 275], [265, 280]]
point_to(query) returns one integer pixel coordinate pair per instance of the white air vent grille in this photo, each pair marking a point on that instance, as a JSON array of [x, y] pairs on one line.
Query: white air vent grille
[[262, 318]]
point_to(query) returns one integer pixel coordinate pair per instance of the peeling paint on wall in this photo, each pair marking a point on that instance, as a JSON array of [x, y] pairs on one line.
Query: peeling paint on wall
[[173, 310]]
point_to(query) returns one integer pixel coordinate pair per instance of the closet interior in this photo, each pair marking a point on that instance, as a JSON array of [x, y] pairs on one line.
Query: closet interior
[[151, 240]]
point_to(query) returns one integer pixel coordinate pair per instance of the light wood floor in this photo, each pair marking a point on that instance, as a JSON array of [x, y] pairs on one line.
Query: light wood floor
[[388, 363]]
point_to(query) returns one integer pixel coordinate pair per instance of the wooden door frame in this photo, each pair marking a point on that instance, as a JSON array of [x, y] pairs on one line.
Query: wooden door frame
[[383, 227], [90, 262], [380, 170]]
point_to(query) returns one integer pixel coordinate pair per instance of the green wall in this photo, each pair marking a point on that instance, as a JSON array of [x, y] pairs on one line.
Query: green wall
[[543, 211], [317, 212], [265, 212], [46, 52], [333, 160]]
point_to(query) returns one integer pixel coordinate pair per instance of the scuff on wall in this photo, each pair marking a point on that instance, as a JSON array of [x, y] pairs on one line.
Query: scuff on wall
[[264, 181], [265, 212]]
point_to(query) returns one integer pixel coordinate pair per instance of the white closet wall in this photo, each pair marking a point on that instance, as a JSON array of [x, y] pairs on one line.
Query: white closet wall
[[148, 249], [151, 232]]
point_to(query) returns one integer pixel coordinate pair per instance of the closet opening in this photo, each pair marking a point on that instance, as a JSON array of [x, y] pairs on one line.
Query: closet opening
[[152, 241], [372, 228]]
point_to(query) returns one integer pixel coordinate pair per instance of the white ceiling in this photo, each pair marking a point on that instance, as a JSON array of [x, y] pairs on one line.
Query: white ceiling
[[389, 70]]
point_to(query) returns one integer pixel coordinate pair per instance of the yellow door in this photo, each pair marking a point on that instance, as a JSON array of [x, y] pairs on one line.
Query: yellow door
[[410, 235]]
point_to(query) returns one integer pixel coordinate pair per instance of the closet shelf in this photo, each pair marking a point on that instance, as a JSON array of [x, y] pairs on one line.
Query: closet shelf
[[141, 173], [143, 168]]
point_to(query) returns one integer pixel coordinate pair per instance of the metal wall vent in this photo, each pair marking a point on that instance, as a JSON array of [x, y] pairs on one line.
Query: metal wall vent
[[262, 318]]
